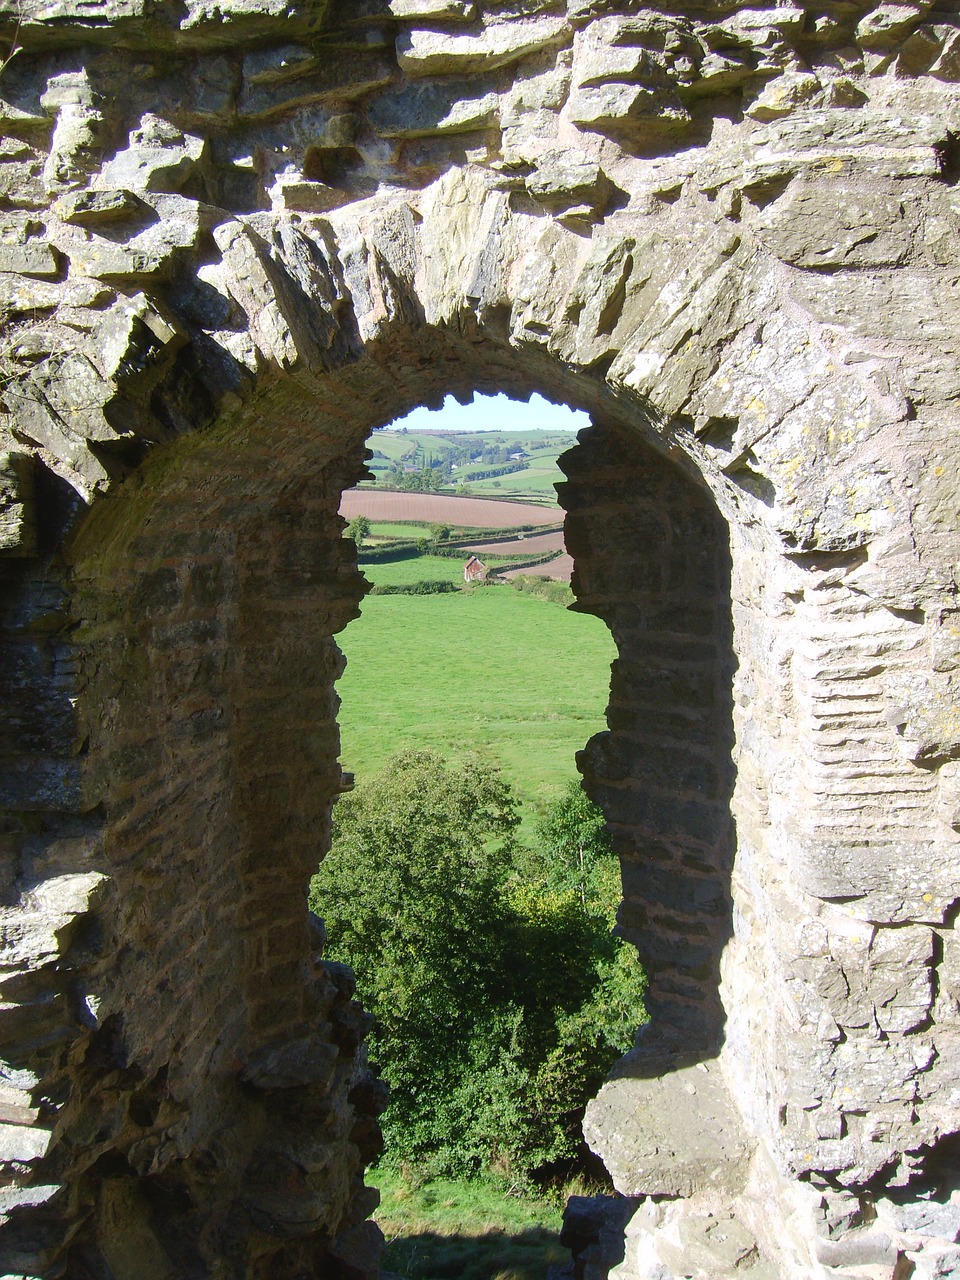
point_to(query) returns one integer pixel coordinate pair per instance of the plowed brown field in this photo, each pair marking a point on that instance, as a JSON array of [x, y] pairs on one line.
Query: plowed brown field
[[532, 545], [439, 508], [560, 569]]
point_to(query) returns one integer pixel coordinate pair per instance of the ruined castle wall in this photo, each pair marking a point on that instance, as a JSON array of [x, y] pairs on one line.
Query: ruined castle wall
[[238, 237]]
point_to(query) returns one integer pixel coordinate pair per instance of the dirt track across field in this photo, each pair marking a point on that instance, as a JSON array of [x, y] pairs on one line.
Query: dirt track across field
[[440, 508]]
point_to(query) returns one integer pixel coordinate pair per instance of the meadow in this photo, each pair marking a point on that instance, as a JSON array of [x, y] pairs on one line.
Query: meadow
[[414, 569], [443, 1230], [537, 480], [384, 530], [490, 670]]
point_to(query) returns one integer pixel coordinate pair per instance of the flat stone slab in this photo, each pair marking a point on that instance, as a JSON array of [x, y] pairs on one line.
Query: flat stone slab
[[672, 1135]]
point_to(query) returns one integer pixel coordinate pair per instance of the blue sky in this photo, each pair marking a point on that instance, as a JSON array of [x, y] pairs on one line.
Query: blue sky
[[495, 413]]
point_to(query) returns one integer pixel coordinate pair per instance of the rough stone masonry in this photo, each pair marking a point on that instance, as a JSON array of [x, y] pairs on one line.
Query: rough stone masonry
[[236, 236]]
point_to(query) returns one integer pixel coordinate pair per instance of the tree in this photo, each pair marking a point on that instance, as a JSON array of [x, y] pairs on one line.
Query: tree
[[575, 849], [358, 529], [434, 841], [499, 996], [411, 896]]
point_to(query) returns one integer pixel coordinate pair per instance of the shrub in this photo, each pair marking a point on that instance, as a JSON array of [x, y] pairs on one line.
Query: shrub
[[545, 588], [358, 529], [498, 993], [404, 550]]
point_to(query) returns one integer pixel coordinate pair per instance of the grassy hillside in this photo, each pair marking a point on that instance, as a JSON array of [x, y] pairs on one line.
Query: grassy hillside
[[492, 670], [422, 448], [535, 484]]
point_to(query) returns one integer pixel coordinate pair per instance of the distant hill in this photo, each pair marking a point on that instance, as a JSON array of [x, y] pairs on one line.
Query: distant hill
[[492, 463]]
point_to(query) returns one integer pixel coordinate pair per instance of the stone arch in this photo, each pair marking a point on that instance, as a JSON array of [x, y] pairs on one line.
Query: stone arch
[[608, 227], [204, 595]]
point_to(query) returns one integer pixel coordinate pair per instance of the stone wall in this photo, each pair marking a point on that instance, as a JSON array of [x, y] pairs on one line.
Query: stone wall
[[236, 237]]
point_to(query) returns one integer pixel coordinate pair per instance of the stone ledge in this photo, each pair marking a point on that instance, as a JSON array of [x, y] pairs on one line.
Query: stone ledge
[[673, 1134]]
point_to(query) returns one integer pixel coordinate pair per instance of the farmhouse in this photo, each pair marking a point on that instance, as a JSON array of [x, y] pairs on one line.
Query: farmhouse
[[474, 570]]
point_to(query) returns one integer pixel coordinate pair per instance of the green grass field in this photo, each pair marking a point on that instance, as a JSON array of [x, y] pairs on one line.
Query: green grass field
[[446, 1230], [536, 481], [385, 529], [536, 484], [414, 569], [515, 678]]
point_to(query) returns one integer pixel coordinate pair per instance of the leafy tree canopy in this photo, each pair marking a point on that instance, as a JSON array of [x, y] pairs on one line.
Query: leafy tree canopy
[[575, 852], [358, 529], [500, 997]]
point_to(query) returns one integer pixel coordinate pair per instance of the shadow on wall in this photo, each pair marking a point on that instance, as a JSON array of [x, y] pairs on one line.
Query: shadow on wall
[[653, 560]]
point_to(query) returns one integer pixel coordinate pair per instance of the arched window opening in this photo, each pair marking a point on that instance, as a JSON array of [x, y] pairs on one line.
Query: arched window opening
[[204, 598], [471, 883], [485, 955]]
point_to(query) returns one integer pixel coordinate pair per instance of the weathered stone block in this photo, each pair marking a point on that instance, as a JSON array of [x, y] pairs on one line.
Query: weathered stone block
[[710, 1245], [947, 65], [133, 335], [95, 11], [270, 18], [885, 27], [434, 10], [433, 108], [922, 1217], [434, 53], [160, 157], [846, 225], [290, 191], [30, 259], [784, 95], [670, 1135], [858, 1249], [22, 1144], [640, 113], [89, 208], [567, 177]]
